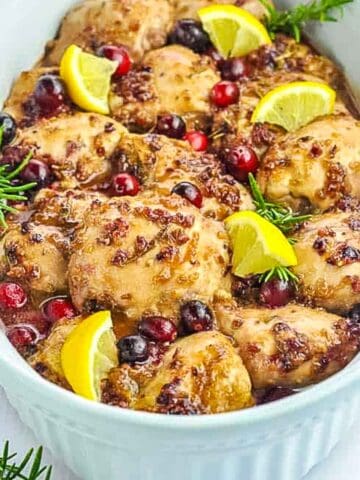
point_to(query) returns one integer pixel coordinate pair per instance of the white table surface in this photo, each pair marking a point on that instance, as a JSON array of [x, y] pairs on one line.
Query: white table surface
[[342, 464]]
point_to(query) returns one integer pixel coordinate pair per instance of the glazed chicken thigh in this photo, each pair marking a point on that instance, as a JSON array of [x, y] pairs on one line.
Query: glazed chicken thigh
[[202, 373], [137, 24], [314, 167], [163, 163], [172, 79], [146, 255], [76, 146], [328, 252], [292, 346]]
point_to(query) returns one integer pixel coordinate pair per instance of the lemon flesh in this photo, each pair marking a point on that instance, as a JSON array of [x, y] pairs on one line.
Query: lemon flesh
[[88, 354], [234, 31], [88, 79], [258, 246], [294, 105]]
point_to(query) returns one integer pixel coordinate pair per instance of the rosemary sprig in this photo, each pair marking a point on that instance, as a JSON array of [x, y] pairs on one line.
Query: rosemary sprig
[[32, 463], [9, 191], [292, 21], [284, 219]]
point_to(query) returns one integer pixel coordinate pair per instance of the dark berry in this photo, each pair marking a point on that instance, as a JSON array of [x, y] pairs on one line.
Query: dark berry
[[133, 349], [49, 94], [276, 293], [12, 295], [191, 34], [196, 317], [235, 69], [125, 184], [354, 313], [240, 161], [190, 192], [198, 140], [23, 335], [159, 329], [224, 93], [37, 171], [275, 393], [117, 54], [58, 308], [215, 56], [172, 126], [8, 127]]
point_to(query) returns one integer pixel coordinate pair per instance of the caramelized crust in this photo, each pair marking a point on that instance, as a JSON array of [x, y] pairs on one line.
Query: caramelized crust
[[202, 373], [292, 346], [328, 252], [167, 81], [314, 167], [136, 24], [147, 254], [76, 146], [162, 163]]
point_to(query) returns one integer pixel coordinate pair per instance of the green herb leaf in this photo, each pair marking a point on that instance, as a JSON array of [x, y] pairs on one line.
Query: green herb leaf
[[284, 219], [8, 191], [292, 21], [32, 461]]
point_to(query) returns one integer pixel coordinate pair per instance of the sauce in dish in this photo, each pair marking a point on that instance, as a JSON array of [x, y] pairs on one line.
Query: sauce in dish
[[180, 209]]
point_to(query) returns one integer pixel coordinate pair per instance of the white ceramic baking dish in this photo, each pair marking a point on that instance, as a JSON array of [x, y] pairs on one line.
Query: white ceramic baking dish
[[279, 441]]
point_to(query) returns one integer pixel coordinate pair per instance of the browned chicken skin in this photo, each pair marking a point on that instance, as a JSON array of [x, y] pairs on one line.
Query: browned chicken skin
[[173, 79], [202, 373], [77, 146], [146, 255], [291, 346], [136, 24], [161, 163], [314, 167], [328, 252]]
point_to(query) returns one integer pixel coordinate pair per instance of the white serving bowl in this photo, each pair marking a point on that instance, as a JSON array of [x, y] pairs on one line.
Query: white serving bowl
[[279, 441]]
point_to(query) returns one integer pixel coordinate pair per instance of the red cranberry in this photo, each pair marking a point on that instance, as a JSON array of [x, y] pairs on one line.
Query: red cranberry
[[196, 317], [117, 54], [235, 69], [8, 126], [276, 293], [58, 308], [240, 161], [190, 192], [49, 94], [22, 335], [191, 34], [159, 329], [12, 295], [224, 93], [198, 140], [37, 171], [133, 349], [125, 184], [172, 126]]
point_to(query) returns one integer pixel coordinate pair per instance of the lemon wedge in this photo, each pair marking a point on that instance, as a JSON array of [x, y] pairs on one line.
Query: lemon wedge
[[88, 354], [88, 79], [234, 31], [295, 104], [258, 246]]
